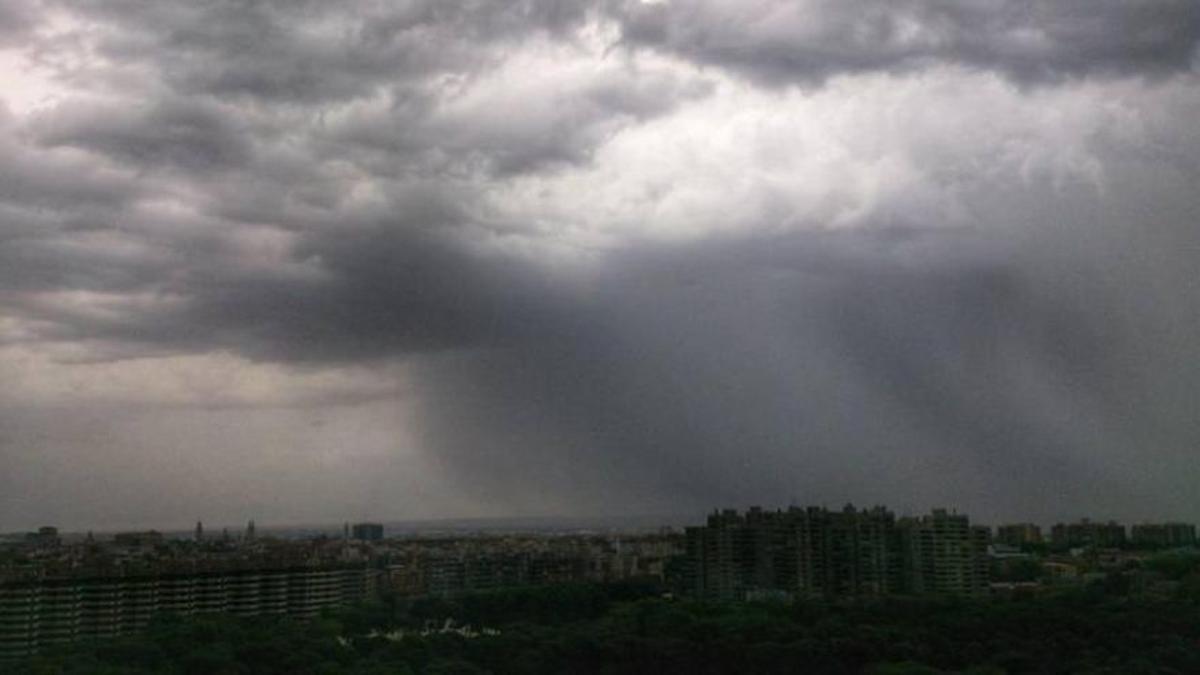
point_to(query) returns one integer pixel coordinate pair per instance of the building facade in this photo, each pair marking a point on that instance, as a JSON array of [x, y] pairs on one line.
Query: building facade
[[945, 555], [816, 552], [367, 532], [1088, 533], [847, 552], [1019, 534], [37, 613], [1164, 535]]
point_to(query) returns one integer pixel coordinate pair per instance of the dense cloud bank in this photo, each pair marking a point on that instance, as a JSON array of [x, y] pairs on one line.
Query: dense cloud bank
[[1031, 41], [462, 258]]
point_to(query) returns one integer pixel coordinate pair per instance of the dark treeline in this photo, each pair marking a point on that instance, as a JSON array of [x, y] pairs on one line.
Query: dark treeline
[[633, 629]]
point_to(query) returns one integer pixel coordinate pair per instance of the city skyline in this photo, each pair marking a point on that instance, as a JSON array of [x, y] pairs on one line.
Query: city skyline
[[550, 523], [304, 262]]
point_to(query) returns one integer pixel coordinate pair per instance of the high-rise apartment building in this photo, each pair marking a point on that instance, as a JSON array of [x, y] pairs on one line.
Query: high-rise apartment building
[[722, 556], [1088, 533], [367, 532], [816, 552], [847, 552], [944, 554], [1164, 535]]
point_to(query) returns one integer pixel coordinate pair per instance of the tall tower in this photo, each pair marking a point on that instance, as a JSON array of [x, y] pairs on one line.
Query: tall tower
[[250, 530], [199, 531], [945, 554]]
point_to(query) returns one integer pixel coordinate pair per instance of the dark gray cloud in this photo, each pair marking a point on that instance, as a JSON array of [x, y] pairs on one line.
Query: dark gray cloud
[[1000, 314], [351, 291], [170, 134], [381, 85], [383, 293], [525, 128], [1028, 40], [311, 52], [17, 19], [826, 368]]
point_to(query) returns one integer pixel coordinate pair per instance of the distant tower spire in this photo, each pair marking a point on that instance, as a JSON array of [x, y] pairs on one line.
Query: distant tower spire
[[199, 531], [250, 530], [346, 531]]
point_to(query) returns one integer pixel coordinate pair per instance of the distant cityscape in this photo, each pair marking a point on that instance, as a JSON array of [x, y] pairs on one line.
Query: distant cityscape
[[817, 552], [57, 588]]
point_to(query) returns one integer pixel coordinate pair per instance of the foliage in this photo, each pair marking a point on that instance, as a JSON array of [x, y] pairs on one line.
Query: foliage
[[1175, 565]]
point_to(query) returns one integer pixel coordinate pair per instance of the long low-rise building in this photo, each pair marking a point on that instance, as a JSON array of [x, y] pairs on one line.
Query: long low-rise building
[[35, 613]]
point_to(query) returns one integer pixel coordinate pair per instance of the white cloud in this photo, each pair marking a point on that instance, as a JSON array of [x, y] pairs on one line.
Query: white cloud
[[911, 150]]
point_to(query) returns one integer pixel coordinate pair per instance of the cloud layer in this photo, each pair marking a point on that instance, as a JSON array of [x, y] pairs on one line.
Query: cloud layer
[[465, 258], [1031, 41]]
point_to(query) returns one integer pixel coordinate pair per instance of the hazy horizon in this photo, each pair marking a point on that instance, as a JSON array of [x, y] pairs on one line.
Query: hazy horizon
[[520, 523], [294, 261]]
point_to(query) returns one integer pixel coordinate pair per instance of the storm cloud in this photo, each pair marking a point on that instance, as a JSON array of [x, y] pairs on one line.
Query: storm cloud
[[1028, 40], [306, 261]]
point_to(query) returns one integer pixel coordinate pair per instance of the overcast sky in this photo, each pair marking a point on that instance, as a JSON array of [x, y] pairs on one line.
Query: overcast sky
[[307, 261]]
